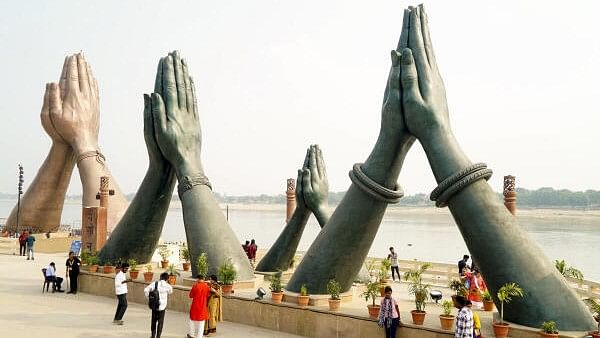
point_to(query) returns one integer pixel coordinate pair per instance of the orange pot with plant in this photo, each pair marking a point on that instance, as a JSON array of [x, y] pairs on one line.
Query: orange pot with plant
[[446, 318], [276, 288], [303, 298], [148, 275], [173, 273], [371, 293], [505, 294]]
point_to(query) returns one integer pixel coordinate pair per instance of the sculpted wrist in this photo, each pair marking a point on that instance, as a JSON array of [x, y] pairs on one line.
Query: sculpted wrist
[[188, 182], [92, 154]]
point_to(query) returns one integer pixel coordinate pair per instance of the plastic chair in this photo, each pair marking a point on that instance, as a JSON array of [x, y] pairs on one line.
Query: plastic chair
[[47, 281]]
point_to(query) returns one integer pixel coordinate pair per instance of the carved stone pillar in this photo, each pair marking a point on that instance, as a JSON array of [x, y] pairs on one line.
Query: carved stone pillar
[[510, 195], [94, 220], [291, 198]]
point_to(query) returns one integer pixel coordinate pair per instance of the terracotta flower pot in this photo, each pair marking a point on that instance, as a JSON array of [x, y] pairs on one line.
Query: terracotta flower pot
[[548, 335], [108, 269], [148, 276], [334, 304], [303, 300], [418, 317], [501, 330], [447, 322], [172, 279], [276, 297], [227, 289], [93, 268], [488, 305], [164, 264], [133, 274], [373, 310], [382, 290], [186, 266], [595, 334]]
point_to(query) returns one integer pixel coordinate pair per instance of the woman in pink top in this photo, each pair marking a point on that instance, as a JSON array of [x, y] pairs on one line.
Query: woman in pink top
[[389, 314]]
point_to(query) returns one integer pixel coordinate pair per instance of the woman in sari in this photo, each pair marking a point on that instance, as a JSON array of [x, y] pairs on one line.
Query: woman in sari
[[476, 287], [215, 312]]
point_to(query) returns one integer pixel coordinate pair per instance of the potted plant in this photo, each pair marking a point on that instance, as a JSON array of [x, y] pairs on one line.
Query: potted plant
[[333, 289], [594, 305], [202, 265], [446, 318], [303, 297], [458, 287], [185, 256], [173, 273], [419, 290], [227, 275], [133, 271], [488, 303], [164, 253], [92, 260], [371, 293], [382, 275], [505, 294], [549, 329], [107, 267], [84, 257], [276, 288], [148, 275]]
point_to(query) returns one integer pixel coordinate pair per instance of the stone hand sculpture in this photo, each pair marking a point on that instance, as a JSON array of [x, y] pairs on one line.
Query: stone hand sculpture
[[75, 117], [504, 251], [178, 135], [139, 230], [42, 203], [312, 190], [342, 245]]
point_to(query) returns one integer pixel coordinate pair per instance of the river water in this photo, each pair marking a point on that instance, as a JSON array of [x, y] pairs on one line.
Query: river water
[[423, 235]]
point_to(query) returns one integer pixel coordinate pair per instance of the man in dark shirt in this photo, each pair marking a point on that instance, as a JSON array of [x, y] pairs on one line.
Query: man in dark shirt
[[462, 264], [73, 264]]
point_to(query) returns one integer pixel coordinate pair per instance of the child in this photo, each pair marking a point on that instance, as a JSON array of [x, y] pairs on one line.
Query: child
[[389, 315]]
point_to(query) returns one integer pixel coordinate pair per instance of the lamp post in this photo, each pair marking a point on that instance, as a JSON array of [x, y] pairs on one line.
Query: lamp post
[[19, 196]]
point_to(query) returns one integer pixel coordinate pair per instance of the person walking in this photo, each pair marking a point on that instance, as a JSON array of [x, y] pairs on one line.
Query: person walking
[[464, 318], [198, 309], [158, 315], [73, 263], [30, 241], [389, 314], [252, 251], [121, 290], [215, 311], [22, 243], [393, 258]]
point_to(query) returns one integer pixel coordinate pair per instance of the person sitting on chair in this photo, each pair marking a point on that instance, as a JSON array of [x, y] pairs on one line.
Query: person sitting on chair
[[51, 275]]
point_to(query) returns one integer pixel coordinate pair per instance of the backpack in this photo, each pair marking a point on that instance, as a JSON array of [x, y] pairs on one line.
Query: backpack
[[154, 298]]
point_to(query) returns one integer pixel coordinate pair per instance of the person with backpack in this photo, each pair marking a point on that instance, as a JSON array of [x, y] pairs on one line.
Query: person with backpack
[[157, 294]]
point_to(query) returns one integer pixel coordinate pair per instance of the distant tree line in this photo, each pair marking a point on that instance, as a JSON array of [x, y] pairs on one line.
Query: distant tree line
[[540, 198]]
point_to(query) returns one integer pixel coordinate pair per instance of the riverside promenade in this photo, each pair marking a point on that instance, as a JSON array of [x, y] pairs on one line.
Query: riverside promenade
[[26, 312]]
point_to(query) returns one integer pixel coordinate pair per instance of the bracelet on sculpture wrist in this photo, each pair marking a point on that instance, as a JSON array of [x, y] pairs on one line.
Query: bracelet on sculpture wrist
[[93, 153], [372, 188], [457, 182], [188, 182]]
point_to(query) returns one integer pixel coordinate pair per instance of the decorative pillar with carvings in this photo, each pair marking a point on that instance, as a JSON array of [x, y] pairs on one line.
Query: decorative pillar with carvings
[[510, 195], [291, 198], [94, 219]]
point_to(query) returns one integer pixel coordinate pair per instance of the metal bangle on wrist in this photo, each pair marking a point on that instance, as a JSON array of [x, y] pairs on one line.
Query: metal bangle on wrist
[[372, 188], [188, 182], [457, 182], [100, 158]]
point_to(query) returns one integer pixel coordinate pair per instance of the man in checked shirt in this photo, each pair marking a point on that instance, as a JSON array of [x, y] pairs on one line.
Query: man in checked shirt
[[464, 319]]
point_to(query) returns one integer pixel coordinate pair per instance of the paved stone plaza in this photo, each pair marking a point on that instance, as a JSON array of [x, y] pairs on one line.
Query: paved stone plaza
[[27, 312]]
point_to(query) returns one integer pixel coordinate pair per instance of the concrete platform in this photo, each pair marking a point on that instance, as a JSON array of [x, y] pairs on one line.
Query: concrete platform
[[26, 312]]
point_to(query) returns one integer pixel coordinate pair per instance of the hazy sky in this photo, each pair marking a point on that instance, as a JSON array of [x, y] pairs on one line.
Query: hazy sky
[[275, 76]]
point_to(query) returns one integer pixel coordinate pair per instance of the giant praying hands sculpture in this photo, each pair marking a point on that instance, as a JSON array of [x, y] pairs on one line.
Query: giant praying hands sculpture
[[70, 116], [504, 251]]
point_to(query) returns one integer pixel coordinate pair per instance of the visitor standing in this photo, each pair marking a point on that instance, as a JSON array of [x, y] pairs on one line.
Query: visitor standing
[[198, 310], [462, 264], [252, 251], [73, 264], [246, 246], [121, 291], [30, 242], [393, 258], [22, 243], [158, 315], [464, 318], [389, 314], [51, 275], [215, 312]]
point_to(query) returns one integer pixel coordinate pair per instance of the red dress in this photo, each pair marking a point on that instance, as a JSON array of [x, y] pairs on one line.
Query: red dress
[[199, 294]]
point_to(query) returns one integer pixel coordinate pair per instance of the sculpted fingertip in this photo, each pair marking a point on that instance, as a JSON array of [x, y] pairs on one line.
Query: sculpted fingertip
[[406, 56], [395, 57]]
